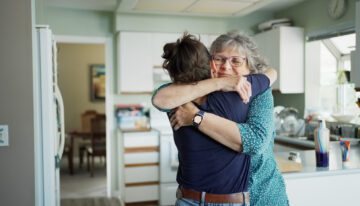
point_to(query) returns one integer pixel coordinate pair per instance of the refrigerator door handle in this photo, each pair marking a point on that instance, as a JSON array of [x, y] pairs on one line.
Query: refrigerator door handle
[[60, 103]]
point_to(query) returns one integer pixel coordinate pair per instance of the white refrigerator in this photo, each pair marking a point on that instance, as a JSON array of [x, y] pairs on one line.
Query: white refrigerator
[[49, 120]]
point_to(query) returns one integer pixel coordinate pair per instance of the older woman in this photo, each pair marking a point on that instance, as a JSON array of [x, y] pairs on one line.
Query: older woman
[[255, 137]]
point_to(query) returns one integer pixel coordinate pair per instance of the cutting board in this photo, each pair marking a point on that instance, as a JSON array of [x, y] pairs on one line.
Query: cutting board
[[286, 165]]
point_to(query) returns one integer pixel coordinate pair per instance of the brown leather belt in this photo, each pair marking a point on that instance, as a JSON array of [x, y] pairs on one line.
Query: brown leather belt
[[214, 198]]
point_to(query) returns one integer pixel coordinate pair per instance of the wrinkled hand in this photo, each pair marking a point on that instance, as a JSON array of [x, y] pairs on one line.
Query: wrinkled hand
[[240, 85], [183, 115]]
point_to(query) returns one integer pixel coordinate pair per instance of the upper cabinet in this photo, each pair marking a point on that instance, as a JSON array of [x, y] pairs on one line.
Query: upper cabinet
[[134, 62], [283, 47], [158, 41], [139, 59]]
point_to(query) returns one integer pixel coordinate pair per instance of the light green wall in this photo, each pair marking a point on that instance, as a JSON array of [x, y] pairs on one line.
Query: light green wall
[[248, 24], [205, 25], [313, 16], [161, 23], [78, 22]]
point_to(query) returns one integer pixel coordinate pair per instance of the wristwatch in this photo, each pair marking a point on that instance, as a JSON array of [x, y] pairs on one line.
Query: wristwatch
[[198, 118]]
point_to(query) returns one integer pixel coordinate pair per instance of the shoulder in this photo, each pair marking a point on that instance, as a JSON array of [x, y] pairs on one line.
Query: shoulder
[[220, 96]]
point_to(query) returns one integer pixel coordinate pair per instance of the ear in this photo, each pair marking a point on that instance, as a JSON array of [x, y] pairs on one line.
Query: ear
[[213, 69]]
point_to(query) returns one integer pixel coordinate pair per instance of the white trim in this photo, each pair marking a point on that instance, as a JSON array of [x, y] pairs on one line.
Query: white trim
[[111, 170], [80, 39]]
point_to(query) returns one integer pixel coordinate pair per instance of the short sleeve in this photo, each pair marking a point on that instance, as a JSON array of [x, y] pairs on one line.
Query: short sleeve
[[153, 95], [259, 83]]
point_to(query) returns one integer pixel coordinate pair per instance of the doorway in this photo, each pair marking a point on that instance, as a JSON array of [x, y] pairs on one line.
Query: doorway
[[77, 64], [99, 51]]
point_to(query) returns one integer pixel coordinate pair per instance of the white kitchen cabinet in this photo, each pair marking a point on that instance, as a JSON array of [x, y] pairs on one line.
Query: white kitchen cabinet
[[158, 41], [139, 166], [323, 189], [135, 67], [283, 47]]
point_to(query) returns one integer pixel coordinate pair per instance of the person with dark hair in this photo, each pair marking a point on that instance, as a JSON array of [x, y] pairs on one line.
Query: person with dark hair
[[234, 57], [206, 167]]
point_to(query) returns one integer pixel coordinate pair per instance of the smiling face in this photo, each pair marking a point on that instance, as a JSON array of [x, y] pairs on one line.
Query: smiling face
[[229, 62]]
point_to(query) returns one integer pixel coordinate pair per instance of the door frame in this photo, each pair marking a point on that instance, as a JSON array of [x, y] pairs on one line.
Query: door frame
[[111, 170]]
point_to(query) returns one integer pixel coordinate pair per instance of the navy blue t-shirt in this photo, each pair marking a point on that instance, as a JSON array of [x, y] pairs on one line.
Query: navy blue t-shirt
[[206, 165]]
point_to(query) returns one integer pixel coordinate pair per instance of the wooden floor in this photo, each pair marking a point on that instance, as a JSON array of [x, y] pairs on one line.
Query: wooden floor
[[95, 201]]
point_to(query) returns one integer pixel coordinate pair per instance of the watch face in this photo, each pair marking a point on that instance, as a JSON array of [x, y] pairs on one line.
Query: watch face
[[336, 8], [197, 119]]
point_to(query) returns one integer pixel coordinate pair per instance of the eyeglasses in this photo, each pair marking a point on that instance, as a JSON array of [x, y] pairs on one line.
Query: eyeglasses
[[235, 61]]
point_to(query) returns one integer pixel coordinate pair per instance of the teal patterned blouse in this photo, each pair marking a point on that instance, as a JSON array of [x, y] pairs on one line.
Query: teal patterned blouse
[[267, 187]]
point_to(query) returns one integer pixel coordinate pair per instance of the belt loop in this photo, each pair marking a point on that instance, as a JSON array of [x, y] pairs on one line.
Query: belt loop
[[244, 201], [202, 201]]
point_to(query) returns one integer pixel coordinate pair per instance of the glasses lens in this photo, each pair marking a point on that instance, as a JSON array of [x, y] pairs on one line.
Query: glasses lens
[[234, 60], [219, 60]]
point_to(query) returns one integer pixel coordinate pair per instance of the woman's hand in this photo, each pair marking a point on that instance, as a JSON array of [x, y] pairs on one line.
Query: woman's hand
[[238, 84], [183, 115]]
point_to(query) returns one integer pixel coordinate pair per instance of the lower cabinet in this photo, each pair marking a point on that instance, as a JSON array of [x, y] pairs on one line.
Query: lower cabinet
[[139, 173], [142, 193]]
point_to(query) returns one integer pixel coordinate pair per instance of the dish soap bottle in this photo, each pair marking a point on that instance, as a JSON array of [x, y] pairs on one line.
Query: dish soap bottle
[[322, 140]]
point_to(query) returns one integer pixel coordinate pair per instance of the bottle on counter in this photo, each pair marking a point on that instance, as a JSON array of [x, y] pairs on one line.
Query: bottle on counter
[[322, 141]]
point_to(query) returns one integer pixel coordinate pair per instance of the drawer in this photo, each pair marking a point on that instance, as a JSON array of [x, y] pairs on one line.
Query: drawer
[[143, 157], [141, 193], [141, 139], [141, 174]]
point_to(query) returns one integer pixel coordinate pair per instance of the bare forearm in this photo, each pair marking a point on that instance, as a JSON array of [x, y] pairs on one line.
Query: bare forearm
[[271, 74], [178, 94], [222, 130]]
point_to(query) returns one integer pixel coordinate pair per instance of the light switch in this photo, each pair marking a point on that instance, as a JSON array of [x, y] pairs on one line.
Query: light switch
[[4, 135]]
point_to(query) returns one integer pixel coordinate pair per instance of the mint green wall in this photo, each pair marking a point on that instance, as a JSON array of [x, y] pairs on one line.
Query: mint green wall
[[313, 16], [206, 25], [161, 23], [78, 22], [248, 23]]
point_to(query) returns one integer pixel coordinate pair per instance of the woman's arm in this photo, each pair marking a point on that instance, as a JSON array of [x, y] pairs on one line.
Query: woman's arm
[[174, 95], [251, 137], [220, 129]]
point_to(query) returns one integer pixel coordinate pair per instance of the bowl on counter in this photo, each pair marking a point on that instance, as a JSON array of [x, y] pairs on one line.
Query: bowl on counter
[[346, 118]]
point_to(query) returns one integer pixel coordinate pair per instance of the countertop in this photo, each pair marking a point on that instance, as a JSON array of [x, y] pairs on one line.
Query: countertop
[[336, 166]]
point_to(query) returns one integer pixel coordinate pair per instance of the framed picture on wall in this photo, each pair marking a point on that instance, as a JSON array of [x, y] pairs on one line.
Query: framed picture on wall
[[97, 82]]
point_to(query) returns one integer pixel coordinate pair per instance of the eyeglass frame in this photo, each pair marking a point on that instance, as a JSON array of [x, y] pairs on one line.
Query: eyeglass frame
[[225, 59]]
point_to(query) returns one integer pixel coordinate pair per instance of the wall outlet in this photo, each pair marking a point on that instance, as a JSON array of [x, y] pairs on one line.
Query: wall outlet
[[4, 135]]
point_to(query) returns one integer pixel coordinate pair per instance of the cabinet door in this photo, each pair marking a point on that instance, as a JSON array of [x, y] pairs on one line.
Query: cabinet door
[[283, 48], [292, 45], [158, 41], [269, 47], [135, 67]]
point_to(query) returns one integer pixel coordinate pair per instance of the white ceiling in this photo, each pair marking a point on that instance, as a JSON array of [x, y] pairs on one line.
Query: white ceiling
[[178, 7]]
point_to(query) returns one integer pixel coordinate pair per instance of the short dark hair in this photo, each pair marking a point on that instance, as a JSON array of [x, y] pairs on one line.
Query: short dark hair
[[187, 60]]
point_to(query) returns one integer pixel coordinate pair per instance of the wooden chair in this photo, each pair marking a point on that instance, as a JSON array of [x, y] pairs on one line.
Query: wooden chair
[[68, 153], [98, 141], [85, 127]]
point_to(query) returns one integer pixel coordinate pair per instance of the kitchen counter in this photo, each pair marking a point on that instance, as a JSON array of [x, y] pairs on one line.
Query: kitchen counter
[[335, 162], [335, 185], [302, 142]]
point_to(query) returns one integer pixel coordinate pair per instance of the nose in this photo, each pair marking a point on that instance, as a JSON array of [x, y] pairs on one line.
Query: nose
[[226, 65]]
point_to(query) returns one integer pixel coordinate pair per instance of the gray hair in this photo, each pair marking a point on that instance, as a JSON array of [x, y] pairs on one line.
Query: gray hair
[[245, 45]]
